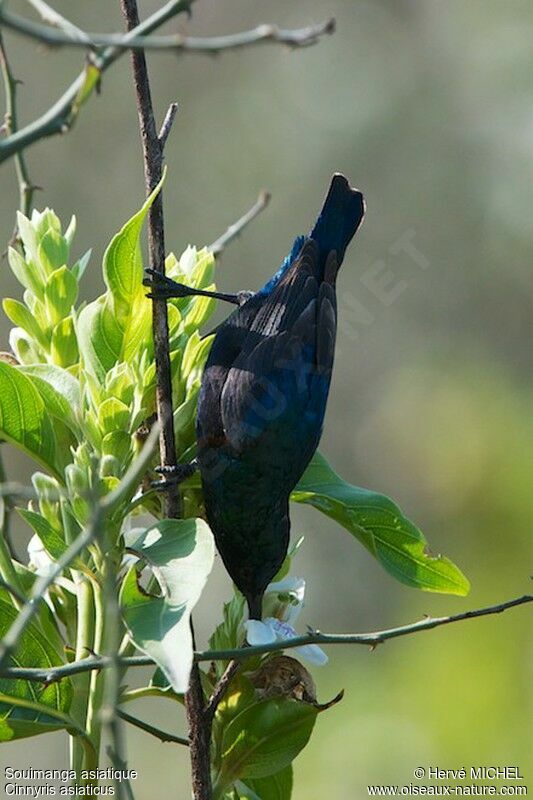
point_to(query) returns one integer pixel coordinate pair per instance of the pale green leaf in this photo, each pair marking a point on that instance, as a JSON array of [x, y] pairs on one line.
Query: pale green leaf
[[64, 348], [180, 554], [51, 538], [25, 273], [52, 250], [59, 379], [25, 421], [99, 338], [21, 316], [59, 390], [60, 292]]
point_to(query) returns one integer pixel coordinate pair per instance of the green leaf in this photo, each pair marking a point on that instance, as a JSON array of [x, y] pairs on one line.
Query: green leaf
[[61, 381], [29, 240], [230, 632], [23, 318], [117, 325], [381, 527], [64, 349], [91, 81], [27, 708], [265, 738], [50, 537], [80, 266], [59, 390], [113, 415], [119, 445], [24, 419], [123, 275], [274, 787], [52, 250], [60, 292], [26, 274], [99, 338], [180, 554]]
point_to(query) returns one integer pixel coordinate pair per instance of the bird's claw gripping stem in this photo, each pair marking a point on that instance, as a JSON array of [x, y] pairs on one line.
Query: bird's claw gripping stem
[[163, 288], [173, 476]]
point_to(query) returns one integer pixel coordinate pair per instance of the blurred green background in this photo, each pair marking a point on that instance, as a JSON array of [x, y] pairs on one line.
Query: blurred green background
[[427, 106]]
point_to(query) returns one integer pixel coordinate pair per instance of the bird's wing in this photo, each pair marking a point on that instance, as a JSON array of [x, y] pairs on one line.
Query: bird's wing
[[285, 362]]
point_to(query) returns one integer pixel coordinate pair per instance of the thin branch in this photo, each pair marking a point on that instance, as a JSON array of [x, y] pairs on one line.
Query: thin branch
[[220, 690], [41, 586], [153, 169], [210, 45], [14, 592], [163, 736], [54, 18], [238, 654], [26, 187], [233, 231], [7, 552], [103, 509], [167, 125], [368, 639], [122, 786], [153, 165], [89, 664], [60, 117]]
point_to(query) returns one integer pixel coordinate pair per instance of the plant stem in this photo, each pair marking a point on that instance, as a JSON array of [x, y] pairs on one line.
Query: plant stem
[[41, 586], [96, 687], [372, 640], [153, 168], [234, 230], [82, 683], [163, 736], [26, 187], [75, 37], [60, 117], [153, 163]]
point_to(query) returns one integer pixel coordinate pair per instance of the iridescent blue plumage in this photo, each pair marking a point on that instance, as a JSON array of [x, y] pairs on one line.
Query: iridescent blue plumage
[[263, 397]]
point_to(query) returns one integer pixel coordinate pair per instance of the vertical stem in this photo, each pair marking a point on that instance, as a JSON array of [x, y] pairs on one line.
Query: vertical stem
[[7, 570], [153, 160], [96, 686], [153, 168], [84, 646], [113, 634], [199, 735], [26, 188]]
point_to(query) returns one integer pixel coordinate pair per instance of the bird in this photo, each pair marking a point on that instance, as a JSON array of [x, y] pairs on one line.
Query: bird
[[263, 395]]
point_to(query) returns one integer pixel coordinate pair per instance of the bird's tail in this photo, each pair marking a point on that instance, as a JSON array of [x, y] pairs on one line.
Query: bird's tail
[[341, 215]]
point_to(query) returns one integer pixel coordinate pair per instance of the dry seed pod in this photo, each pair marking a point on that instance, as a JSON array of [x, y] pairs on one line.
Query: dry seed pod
[[283, 676]]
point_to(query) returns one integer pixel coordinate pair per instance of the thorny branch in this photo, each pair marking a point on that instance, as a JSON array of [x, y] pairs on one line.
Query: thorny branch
[[199, 739], [10, 126], [61, 36], [371, 640], [60, 117], [233, 231], [105, 507]]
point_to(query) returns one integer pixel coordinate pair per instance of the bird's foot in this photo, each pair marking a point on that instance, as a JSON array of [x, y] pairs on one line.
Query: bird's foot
[[162, 287], [173, 476]]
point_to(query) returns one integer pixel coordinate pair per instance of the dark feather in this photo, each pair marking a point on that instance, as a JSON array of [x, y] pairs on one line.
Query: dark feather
[[263, 397]]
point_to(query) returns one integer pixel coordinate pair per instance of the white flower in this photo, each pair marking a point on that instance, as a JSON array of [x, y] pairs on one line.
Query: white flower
[[282, 603]]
